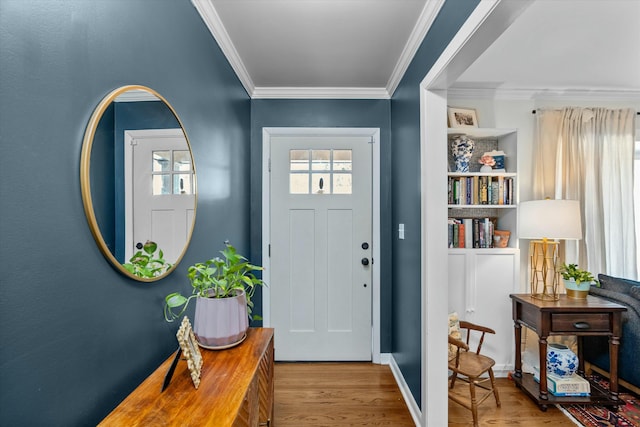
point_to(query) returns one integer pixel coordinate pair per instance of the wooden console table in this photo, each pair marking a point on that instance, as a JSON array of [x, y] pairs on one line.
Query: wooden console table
[[236, 389], [567, 316]]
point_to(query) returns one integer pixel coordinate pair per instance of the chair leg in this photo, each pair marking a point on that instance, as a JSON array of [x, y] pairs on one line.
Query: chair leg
[[474, 402], [453, 380], [493, 386]]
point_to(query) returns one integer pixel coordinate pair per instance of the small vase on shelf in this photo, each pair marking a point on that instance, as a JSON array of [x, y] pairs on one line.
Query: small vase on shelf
[[462, 150]]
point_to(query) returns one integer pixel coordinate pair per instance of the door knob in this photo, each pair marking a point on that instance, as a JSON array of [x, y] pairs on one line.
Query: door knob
[[139, 245], [365, 261], [365, 246]]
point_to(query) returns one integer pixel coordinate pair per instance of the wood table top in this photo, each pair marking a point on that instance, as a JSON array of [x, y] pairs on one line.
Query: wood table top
[[225, 377]]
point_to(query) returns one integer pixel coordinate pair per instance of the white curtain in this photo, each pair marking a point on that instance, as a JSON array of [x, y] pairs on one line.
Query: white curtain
[[587, 154]]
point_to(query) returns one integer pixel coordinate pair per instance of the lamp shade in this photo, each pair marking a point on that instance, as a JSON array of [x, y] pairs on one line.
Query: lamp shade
[[549, 219]]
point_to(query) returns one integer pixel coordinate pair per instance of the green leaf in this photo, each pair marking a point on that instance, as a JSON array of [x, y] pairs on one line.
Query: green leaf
[[175, 300], [150, 247]]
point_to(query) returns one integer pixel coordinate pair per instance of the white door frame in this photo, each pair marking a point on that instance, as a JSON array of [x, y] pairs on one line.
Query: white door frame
[[270, 132], [483, 27]]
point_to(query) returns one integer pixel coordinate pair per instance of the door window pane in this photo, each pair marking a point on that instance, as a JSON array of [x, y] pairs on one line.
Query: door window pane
[[161, 161], [342, 160], [298, 183], [342, 183], [321, 160], [161, 184], [299, 160], [182, 183], [181, 161], [321, 183]]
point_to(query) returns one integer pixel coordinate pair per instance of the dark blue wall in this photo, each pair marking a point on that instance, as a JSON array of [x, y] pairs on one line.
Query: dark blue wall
[[69, 355], [76, 335], [405, 128], [328, 113]]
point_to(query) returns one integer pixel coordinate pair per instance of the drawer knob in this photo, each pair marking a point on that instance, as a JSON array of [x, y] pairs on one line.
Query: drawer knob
[[581, 325]]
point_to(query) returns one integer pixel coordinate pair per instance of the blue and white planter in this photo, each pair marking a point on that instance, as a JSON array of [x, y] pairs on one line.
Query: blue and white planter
[[462, 150], [561, 360]]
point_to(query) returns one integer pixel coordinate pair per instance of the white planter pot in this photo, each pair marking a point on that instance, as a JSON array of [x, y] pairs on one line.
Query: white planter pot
[[221, 322]]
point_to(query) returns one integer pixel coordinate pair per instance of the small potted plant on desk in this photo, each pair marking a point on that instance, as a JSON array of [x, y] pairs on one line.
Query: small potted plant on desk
[[576, 281], [223, 288]]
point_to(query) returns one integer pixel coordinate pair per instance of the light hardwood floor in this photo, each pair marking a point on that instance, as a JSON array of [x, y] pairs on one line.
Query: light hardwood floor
[[365, 394]]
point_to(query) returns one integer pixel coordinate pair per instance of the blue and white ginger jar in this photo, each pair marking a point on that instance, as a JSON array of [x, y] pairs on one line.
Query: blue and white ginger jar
[[561, 360], [462, 150]]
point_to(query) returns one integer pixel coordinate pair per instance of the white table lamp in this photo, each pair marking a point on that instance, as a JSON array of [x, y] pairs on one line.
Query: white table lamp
[[546, 222]]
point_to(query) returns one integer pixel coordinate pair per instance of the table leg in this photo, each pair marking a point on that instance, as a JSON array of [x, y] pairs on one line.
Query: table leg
[[542, 346], [614, 344], [518, 336]]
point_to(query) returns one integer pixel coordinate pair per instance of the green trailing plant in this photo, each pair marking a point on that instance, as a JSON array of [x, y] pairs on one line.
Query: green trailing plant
[[571, 271], [145, 263], [217, 278]]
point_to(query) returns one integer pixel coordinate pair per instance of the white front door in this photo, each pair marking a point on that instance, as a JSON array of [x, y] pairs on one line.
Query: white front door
[[159, 191], [321, 230]]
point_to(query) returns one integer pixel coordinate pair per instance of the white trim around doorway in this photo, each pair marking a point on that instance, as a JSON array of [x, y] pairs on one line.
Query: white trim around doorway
[[485, 24]]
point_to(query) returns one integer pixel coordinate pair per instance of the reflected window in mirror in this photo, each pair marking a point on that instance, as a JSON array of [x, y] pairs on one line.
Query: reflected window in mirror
[[172, 172]]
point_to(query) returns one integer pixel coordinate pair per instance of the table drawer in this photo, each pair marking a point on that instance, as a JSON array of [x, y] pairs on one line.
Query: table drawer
[[575, 323]]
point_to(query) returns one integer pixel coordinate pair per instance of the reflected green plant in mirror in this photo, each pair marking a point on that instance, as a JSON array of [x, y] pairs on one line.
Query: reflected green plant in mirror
[[145, 263]]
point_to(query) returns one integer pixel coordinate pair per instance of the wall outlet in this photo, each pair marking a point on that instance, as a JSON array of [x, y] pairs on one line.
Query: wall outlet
[[401, 231]]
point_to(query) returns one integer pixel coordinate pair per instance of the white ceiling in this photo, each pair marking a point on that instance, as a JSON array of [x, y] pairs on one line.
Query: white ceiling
[[564, 45], [361, 48]]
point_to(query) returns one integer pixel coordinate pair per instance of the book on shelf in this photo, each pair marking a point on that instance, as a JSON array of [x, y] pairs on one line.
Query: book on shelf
[[480, 190], [474, 233], [574, 385]]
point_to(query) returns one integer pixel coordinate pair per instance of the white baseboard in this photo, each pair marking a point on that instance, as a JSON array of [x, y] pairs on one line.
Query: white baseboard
[[385, 358], [502, 370], [414, 409]]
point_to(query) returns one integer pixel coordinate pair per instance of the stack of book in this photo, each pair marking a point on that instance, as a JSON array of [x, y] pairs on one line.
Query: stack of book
[[474, 233], [480, 190], [575, 385]]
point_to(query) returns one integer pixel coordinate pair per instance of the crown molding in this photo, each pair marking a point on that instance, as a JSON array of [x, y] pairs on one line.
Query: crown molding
[[425, 20], [319, 93], [213, 22], [538, 94], [136, 95]]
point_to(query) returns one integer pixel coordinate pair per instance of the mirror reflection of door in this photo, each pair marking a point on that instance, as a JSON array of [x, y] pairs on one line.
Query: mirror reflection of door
[[159, 191]]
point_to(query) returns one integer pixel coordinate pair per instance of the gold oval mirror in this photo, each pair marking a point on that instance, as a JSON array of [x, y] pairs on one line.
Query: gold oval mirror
[[138, 182]]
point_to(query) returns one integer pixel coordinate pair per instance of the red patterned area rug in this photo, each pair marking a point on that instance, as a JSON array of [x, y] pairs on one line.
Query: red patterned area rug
[[600, 416]]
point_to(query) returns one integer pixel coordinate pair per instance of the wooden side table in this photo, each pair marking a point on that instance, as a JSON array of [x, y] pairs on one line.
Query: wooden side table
[[567, 316], [236, 389]]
